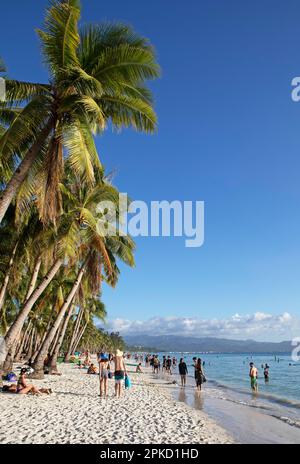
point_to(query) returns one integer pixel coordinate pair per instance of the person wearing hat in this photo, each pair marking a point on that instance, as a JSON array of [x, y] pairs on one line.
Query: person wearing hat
[[103, 373], [120, 371]]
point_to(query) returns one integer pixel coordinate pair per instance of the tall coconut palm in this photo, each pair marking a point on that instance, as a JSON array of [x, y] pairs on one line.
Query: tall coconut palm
[[94, 77], [94, 249]]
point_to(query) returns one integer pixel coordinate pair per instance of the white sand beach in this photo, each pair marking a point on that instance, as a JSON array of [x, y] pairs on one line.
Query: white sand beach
[[147, 413]]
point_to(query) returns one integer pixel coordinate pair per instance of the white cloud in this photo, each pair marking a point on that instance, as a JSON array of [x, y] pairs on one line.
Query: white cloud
[[259, 326]]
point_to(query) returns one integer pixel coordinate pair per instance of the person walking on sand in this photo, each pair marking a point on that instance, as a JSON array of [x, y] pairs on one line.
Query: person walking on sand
[[155, 364], [183, 371], [103, 373], [253, 374], [120, 372], [169, 365]]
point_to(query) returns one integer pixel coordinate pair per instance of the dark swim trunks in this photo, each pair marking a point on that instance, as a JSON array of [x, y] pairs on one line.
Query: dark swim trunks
[[119, 375]]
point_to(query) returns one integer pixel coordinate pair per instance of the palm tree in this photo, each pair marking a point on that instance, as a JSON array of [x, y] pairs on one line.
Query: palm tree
[[94, 250], [95, 76]]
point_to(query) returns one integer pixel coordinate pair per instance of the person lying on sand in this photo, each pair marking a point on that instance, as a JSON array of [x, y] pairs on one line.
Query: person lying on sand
[[9, 388], [23, 387], [92, 369]]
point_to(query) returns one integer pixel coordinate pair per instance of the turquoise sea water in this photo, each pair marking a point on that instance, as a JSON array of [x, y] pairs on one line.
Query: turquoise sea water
[[228, 379]]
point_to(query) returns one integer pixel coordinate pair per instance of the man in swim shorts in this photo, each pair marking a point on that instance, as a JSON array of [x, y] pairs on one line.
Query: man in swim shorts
[[120, 372], [253, 377]]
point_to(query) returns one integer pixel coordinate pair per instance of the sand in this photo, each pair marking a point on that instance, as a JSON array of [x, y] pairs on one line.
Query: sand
[[146, 413]]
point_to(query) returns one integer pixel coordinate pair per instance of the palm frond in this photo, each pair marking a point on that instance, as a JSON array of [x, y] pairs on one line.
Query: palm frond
[[19, 91], [81, 153], [129, 112], [60, 37]]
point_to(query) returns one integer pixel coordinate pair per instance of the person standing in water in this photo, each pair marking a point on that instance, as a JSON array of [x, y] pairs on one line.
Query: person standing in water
[[169, 365], [194, 366], [253, 374], [199, 376], [183, 371], [266, 373]]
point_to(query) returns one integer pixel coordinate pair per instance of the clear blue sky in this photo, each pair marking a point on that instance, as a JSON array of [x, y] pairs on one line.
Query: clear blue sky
[[229, 134]]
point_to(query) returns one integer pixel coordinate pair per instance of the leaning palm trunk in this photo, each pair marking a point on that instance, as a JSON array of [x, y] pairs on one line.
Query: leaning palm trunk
[[80, 336], [54, 342], [23, 342], [7, 276], [21, 172], [39, 361], [31, 343], [15, 329], [8, 363], [53, 360], [74, 335], [34, 277]]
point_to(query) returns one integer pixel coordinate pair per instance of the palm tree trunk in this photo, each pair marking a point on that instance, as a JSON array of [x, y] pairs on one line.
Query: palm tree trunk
[[34, 277], [39, 361], [21, 172], [54, 341], [74, 335], [15, 329], [23, 341], [30, 346], [80, 336], [53, 361], [7, 276]]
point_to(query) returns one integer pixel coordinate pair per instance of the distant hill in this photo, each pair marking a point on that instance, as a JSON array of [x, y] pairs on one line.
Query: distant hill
[[207, 344]]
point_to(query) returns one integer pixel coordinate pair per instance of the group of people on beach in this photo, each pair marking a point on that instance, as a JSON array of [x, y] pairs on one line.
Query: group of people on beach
[[253, 374], [169, 365], [105, 362], [114, 366], [84, 361]]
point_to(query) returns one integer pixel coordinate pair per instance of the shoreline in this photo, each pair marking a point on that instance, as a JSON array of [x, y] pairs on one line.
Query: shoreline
[[146, 413], [246, 423]]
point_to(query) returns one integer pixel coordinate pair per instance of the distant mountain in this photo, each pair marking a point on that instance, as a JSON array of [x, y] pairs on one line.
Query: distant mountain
[[207, 344]]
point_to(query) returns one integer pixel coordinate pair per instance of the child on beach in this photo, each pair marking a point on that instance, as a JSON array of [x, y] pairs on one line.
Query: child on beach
[[104, 369], [92, 369], [139, 369]]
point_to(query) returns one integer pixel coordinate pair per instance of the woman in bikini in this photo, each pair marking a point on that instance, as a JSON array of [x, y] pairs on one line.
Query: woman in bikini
[[23, 387]]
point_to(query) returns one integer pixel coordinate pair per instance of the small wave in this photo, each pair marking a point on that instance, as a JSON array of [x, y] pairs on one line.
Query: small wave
[[260, 395], [287, 420]]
